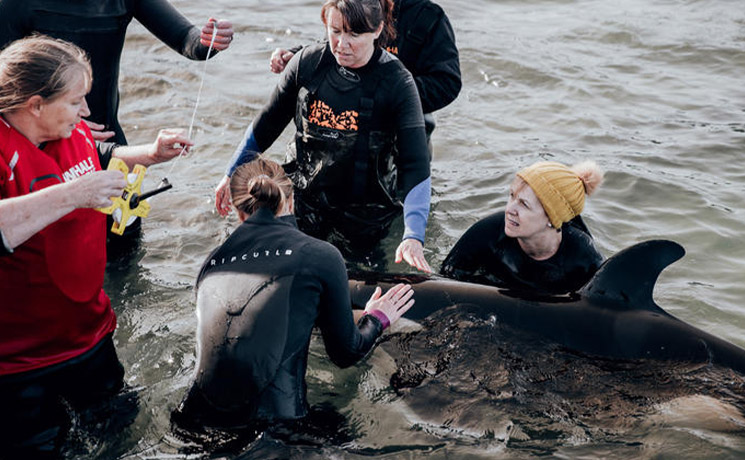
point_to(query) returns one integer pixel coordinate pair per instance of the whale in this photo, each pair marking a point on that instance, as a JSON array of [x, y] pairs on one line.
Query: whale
[[613, 315]]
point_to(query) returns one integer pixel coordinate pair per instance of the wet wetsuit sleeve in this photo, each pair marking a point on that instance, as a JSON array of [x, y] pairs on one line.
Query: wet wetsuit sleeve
[[467, 256], [171, 27], [416, 210], [346, 343], [272, 119], [296, 49], [412, 159], [105, 151], [580, 258], [414, 180], [437, 72], [14, 19], [246, 151]]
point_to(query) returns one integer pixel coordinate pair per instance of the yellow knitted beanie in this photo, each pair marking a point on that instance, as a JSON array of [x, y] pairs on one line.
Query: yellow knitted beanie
[[560, 190]]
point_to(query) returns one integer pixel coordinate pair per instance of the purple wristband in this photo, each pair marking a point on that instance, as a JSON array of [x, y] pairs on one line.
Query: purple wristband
[[382, 317]]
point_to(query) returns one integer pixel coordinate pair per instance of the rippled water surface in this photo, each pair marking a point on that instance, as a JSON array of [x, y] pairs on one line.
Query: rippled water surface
[[653, 91]]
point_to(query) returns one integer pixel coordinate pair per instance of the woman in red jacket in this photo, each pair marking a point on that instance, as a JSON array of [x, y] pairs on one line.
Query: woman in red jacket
[[55, 319]]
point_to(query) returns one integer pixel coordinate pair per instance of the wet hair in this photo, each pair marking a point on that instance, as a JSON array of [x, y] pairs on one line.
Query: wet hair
[[39, 65], [260, 183], [363, 16]]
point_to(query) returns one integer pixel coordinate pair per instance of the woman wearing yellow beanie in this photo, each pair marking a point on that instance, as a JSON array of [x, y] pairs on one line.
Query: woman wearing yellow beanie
[[538, 243]]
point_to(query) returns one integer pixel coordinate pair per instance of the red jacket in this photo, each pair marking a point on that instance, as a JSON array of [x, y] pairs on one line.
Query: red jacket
[[52, 305]]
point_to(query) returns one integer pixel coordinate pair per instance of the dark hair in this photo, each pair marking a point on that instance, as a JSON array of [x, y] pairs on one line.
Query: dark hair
[[363, 16], [258, 184], [39, 65]]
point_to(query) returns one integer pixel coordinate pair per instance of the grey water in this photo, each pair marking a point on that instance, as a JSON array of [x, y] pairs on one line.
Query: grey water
[[651, 90]]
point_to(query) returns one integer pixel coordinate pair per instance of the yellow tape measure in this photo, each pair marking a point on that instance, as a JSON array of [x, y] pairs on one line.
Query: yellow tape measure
[[131, 202]]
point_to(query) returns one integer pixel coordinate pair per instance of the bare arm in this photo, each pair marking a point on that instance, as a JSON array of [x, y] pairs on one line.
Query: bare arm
[[169, 144], [24, 216]]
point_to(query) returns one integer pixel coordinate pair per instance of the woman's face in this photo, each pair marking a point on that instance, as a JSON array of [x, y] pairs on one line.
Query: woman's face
[[524, 215], [350, 49], [59, 116]]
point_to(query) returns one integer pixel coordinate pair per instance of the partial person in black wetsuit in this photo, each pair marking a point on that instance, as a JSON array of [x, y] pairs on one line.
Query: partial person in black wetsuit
[[99, 27], [527, 247], [259, 295], [360, 147], [425, 44]]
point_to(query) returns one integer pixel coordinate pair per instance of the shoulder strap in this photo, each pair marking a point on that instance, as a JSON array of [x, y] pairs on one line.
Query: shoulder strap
[[313, 69], [311, 73], [362, 144]]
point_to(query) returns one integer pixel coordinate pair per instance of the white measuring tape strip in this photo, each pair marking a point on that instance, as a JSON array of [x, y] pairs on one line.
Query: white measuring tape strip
[[196, 105]]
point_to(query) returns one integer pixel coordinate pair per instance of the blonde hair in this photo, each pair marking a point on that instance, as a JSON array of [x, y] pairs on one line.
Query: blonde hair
[[260, 183], [561, 189], [39, 65]]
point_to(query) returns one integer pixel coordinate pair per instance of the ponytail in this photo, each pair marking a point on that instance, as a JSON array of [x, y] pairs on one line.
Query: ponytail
[[258, 184]]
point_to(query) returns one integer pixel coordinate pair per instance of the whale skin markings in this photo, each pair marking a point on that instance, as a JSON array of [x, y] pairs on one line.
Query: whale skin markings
[[613, 315]]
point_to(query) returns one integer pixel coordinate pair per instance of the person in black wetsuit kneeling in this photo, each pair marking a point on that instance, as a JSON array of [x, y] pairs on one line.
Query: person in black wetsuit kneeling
[[259, 295], [527, 247]]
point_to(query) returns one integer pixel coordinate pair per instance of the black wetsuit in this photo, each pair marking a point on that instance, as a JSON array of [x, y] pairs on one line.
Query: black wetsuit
[[34, 421], [99, 28], [349, 179], [486, 255], [425, 43], [395, 110], [259, 296]]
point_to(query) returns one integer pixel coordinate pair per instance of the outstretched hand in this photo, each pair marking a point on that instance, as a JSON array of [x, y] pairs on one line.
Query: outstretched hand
[[222, 196], [393, 303], [412, 251], [223, 37]]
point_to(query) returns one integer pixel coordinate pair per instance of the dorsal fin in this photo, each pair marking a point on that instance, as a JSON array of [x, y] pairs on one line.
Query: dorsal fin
[[626, 280]]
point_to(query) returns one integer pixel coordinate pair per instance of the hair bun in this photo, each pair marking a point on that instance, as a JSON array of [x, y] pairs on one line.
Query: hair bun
[[260, 183]]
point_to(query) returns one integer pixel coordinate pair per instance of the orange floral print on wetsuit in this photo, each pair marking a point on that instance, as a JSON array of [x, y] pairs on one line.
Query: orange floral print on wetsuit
[[323, 115]]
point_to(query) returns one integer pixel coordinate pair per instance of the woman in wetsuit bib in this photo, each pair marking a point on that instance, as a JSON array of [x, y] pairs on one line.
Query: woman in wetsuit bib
[[352, 103], [425, 44], [259, 295], [538, 244]]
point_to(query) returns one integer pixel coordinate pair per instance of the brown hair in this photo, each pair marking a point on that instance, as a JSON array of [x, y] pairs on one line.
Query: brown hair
[[363, 16], [39, 65], [258, 184]]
